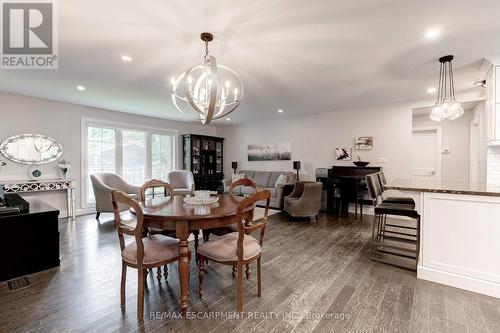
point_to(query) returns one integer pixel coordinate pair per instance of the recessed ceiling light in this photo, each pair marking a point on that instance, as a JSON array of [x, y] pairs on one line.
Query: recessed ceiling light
[[228, 119], [126, 58], [280, 111], [431, 90], [81, 88], [432, 34]]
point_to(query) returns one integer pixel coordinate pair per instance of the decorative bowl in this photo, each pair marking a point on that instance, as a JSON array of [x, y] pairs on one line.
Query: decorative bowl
[[360, 163], [202, 195]]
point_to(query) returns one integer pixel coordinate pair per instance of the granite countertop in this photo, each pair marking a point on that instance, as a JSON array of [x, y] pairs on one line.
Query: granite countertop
[[445, 187]]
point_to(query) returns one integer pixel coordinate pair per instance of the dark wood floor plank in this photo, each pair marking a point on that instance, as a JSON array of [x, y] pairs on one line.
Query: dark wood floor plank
[[337, 253], [402, 313], [473, 316], [366, 316], [491, 316], [455, 315], [420, 308], [383, 319], [437, 310], [308, 268]]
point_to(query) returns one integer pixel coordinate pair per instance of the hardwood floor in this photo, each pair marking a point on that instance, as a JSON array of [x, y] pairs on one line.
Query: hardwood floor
[[316, 278]]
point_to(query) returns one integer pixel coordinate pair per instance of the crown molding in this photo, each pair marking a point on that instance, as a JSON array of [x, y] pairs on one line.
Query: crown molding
[[488, 62]]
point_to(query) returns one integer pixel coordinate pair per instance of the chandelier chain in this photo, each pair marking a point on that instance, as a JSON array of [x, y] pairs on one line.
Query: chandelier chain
[[206, 50]]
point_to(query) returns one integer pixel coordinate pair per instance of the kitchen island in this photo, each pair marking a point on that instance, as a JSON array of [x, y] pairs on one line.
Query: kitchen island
[[460, 233]]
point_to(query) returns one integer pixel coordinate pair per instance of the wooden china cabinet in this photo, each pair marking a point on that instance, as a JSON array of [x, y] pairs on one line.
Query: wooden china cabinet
[[203, 156]]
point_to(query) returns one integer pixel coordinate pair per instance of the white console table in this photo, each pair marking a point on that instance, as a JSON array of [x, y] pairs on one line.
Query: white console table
[[44, 185]]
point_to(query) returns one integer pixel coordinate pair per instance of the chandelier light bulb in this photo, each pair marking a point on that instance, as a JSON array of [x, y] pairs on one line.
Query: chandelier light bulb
[[446, 106], [228, 84]]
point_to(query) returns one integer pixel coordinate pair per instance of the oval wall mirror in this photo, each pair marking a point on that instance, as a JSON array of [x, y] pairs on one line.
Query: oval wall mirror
[[31, 149]]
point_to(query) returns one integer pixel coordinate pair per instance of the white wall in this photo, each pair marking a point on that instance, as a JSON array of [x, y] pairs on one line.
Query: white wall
[[62, 121], [456, 133], [314, 138], [479, 115]]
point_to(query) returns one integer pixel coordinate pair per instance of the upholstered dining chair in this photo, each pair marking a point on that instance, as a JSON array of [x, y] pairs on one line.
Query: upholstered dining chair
[[237, 248], [168, 191], [182, 181], [103, 183], [143, 253], [251, 187]]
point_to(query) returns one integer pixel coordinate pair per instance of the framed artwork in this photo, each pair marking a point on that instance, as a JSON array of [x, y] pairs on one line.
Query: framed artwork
[[343, 154], [363, 143], [269, 152]]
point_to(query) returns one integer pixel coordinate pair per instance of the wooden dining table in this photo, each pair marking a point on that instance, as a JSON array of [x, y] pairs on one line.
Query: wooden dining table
[[172, 213]]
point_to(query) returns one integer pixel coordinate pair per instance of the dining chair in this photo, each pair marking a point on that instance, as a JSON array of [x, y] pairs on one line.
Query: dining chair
[[221, 231], [237, 248], [168, 190], [143, 253]]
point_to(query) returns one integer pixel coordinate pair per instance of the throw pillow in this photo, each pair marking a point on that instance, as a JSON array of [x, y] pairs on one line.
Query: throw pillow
[[237, 176], [280, 181]]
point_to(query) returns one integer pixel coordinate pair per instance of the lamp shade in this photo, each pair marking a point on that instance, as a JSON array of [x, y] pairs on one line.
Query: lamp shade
[[296, 165], [234, 165]]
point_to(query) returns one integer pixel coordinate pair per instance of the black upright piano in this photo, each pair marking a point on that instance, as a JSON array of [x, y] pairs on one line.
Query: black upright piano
[[345, 184]]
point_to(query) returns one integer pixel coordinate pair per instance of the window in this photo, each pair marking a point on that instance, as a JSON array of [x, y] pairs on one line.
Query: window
[[136, 154], [101, 153], [134, 157], [161, 150]]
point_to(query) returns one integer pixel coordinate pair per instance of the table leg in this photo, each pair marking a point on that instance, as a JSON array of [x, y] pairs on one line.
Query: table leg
[[68, 203], [182, 233]]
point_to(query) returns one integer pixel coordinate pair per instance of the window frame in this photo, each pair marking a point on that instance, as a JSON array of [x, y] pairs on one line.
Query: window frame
[[119, 127]]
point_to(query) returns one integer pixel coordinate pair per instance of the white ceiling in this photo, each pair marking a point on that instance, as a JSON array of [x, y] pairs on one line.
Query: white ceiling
[[300, 56]]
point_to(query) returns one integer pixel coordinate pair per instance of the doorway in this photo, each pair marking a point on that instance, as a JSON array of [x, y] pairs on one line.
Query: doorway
[[426, 153], [474, 150]]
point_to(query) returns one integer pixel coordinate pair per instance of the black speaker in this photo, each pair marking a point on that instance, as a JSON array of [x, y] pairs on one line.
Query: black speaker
[[234, 166]]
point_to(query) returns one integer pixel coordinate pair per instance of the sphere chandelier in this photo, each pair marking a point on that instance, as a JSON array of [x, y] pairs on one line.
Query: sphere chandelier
[[213, 91], [446, 106]]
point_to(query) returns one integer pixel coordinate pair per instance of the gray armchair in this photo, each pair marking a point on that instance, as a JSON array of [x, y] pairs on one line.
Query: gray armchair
[[103, 183], [182, 181], [305, 200]]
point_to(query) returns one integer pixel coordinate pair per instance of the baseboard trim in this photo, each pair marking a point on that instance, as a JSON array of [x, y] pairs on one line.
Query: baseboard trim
[[80, 211], [459, 281]]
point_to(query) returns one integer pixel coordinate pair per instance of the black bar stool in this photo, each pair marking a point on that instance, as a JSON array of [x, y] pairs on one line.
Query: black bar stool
[[386, 240]]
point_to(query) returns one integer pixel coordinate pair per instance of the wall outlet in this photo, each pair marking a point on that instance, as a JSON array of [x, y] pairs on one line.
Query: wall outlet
[[382, 160]]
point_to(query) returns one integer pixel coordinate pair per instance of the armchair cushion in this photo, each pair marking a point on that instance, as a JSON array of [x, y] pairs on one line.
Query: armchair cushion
[[261, 178], [224, 248]]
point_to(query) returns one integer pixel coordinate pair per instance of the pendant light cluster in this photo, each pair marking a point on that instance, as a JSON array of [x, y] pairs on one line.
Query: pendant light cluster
[[446, 106], [211, 90]]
